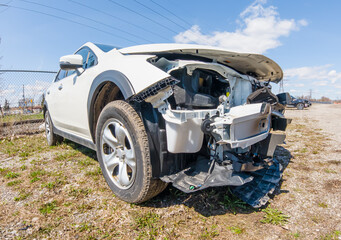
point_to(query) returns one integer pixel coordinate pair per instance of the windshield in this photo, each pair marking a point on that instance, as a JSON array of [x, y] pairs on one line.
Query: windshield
[[105, 48]]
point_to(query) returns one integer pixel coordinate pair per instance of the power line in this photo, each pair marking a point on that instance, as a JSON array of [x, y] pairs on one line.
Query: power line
[[160, 14], [195, 33], [87, 18], [6, 8], [67, 20], [120, 19], [150, 19], [189, 24]]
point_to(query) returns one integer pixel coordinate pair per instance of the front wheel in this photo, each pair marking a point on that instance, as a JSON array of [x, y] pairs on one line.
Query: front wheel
[[123, 153], [300, 106]]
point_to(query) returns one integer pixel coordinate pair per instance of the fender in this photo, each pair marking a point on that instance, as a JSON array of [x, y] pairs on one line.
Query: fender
[[116, 77]]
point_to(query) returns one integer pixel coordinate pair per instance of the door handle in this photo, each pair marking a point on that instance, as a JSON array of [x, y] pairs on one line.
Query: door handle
[[60, 87], [48, 92]]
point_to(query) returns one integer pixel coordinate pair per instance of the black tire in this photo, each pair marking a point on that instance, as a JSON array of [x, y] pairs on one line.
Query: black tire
[[52, 138], [120, 132], [300, 106]]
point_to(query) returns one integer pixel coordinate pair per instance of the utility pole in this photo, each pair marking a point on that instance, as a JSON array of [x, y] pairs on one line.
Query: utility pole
[[281, 87], [310, 93], [23, 97]]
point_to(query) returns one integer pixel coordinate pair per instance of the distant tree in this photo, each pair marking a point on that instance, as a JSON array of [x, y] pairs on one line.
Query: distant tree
[[6, 106], [325, 99], [42, 100]]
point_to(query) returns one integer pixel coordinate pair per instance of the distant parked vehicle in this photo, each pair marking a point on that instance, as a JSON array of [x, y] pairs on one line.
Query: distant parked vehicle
[[299, 103]]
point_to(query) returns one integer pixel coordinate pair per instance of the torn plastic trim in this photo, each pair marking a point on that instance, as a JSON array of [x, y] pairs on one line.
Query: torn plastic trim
[[182, 116], [154, 89]]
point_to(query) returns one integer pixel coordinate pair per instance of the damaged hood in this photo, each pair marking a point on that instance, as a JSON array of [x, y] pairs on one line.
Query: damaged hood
[[255, 65]]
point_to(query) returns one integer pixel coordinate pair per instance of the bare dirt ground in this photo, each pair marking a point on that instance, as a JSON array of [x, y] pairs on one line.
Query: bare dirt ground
[[59, 193]]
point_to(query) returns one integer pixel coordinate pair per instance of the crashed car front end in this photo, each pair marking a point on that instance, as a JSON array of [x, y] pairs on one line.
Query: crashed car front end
[[212, 125]]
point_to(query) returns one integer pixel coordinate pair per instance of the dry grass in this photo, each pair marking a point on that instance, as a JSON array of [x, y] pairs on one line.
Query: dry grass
[[59, 193]]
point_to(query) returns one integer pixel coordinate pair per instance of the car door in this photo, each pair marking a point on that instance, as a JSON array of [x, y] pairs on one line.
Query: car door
[[69, 110]]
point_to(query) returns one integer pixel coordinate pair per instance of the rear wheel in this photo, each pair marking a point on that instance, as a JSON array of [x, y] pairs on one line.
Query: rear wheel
[[123, 153], [51, 137], [300, 106]]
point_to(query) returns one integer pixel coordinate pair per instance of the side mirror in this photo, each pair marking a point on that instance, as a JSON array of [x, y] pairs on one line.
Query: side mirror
[[284, 98], [71, 62]]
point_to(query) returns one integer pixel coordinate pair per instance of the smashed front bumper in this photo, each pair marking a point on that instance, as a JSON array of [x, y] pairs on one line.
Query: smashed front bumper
[[244, 152], [252, 187]]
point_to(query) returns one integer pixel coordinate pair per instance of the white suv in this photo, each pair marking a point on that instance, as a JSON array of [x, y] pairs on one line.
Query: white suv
[[195, 116]]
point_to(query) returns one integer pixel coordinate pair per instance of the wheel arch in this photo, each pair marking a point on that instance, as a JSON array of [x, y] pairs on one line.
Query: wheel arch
[[106, 87]]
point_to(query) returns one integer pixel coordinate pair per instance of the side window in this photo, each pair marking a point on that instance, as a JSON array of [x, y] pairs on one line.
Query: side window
[[89, 58], [84, 52], [92, 61], [60, 75], [70, 72]]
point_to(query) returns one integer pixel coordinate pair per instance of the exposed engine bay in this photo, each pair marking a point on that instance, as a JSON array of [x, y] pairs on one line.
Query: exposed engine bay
[[212, 126]]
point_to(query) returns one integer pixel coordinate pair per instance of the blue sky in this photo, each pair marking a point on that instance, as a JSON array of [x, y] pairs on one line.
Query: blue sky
[[303, 37]]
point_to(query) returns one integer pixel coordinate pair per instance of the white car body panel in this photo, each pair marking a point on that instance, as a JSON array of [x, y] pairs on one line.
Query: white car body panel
[[70, 114]]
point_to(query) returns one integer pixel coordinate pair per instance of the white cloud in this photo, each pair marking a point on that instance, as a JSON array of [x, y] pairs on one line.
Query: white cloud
[[321, 83], [314, 73], [13, 93], [259, 30]]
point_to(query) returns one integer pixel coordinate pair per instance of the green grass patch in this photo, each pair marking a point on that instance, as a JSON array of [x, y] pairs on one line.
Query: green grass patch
[[209, 233], [95, 172], [10, 175], [80, 192], [48, 208], [23, 167], [146, 220], [233, 203], [236, 230], [37, 173], [14, 183], [146, 225], [85, 227], [22, 196], [66, 156], [322, 205], [326, 170], [332, 236], [24, 154], [49, 185], [24, 146], [86, 162], [274, 216], [3, 171], [35, 179], [20, 117], [296, 235]]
